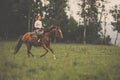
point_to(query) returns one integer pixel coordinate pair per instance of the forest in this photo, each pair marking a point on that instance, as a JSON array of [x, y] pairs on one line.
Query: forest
[[17, 17]]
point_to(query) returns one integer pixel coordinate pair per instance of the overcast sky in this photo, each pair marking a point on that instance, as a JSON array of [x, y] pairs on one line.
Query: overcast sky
[[74, 8]]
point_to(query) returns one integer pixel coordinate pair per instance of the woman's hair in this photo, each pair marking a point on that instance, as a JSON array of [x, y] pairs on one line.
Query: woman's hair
[[38, 16]]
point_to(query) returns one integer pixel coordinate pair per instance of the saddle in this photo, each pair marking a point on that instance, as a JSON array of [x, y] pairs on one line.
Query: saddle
[[34, 35]]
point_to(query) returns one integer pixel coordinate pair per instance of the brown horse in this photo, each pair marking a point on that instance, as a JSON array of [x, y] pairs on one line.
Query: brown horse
[[31, 39]]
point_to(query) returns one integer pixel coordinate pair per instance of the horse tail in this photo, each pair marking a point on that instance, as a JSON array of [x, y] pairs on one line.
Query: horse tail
[[18, 46]]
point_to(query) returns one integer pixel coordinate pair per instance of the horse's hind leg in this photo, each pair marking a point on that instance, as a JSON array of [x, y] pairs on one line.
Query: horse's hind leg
[[29, 50], [44, 46], [54, 57]]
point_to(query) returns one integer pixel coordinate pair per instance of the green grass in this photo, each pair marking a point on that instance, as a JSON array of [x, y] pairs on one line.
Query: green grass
[[74, 62]]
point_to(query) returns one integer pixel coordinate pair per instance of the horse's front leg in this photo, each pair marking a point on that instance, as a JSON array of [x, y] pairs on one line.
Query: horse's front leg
[[45, 47], [54, 57]]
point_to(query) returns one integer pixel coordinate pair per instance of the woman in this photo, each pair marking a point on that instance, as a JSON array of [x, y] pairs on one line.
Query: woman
[[39, 29]]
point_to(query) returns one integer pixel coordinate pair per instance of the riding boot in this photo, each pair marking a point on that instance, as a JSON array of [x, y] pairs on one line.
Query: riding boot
[[39, 37], [39, 40]]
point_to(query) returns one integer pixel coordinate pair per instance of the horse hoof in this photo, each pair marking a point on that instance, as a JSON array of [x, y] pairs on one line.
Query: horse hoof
[[54, 58]]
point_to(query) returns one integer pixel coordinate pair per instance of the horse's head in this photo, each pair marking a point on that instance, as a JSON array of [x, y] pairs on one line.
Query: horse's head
[[57, 31]]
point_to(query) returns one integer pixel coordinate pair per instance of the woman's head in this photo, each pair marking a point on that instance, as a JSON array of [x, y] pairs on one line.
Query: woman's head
[[38, 17]]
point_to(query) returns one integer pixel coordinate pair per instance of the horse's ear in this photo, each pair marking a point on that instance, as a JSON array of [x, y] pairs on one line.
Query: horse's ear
[[57, 27]]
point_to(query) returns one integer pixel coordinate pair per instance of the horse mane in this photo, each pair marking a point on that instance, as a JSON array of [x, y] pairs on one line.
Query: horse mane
[[50, 28]]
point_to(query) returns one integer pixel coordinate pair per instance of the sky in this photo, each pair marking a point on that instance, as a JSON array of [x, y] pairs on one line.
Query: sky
[[109, 26], [74, 9]]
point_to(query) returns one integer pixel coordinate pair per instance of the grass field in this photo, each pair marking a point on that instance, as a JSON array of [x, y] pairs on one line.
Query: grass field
[[74, 62]]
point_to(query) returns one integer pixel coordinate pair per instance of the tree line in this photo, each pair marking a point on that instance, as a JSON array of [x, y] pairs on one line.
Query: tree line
[[18, 16]]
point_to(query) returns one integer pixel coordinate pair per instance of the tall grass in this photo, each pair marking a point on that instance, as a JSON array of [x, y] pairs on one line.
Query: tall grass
[[74, 62]]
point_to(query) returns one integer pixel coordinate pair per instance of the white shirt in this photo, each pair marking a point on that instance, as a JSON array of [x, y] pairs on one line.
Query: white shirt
[[38, 24]]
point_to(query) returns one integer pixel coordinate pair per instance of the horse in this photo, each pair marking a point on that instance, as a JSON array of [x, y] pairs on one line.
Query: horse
[[31, 39]]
